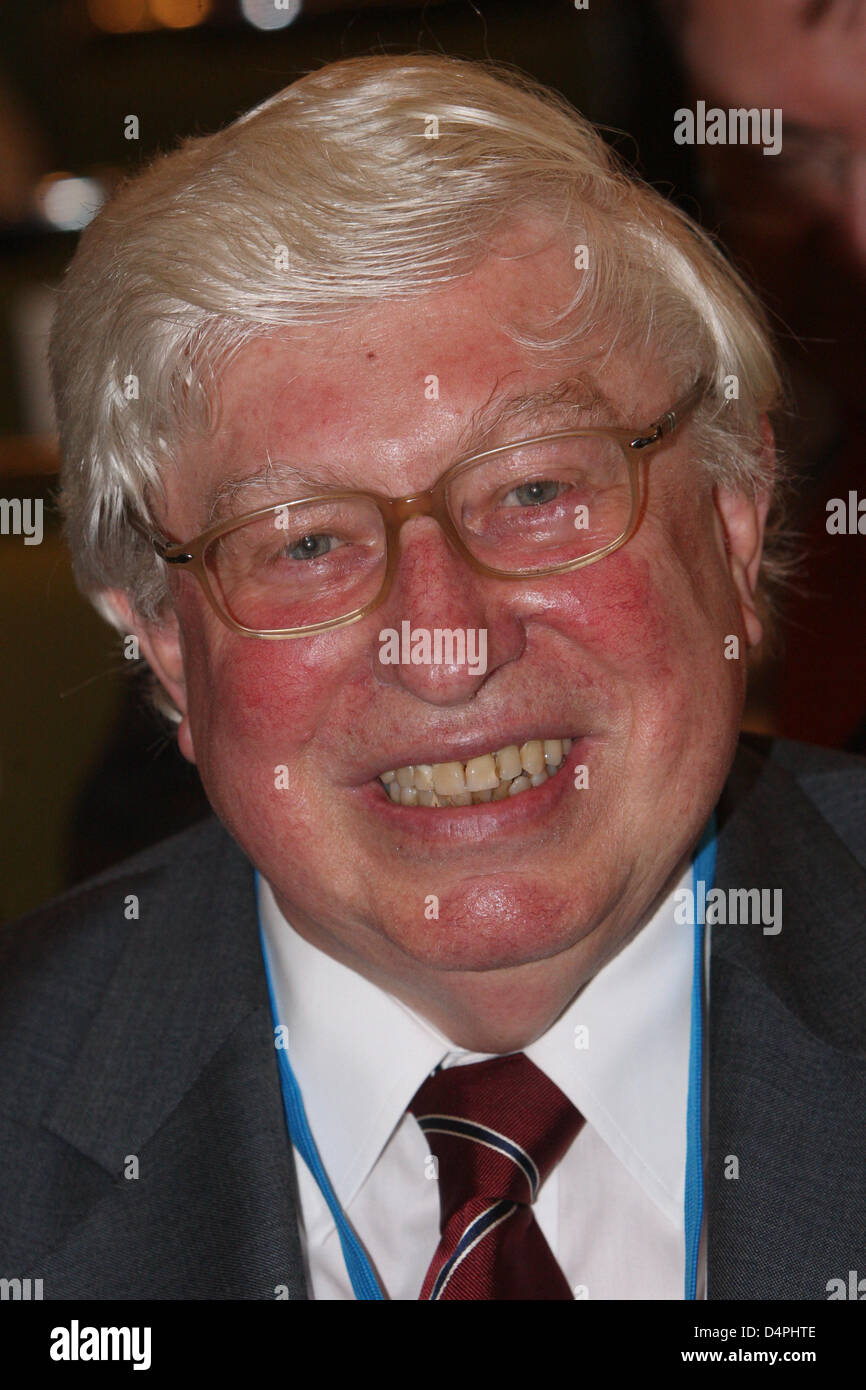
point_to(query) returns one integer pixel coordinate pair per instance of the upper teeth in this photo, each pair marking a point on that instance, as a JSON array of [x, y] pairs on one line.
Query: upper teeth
[[490, 777]]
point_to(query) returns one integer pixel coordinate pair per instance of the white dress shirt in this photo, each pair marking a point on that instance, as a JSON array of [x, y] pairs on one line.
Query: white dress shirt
[[611, 1210]]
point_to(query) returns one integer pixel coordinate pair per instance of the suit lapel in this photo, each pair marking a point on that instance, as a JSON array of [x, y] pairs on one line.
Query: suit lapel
[[178, 1072], [787, 1085]]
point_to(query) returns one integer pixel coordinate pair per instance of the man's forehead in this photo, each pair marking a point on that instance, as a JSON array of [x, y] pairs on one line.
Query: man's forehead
[[460, 336], [366, 397]]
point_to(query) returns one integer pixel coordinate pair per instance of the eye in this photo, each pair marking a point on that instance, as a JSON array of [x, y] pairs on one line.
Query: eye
[[533, 494], [312, 547]]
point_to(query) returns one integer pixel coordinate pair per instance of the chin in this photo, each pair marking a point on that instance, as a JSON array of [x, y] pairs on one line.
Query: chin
[[491, 924]]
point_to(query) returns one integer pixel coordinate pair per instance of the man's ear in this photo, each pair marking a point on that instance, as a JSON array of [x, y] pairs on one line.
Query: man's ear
[[160, 645], [743, 519]]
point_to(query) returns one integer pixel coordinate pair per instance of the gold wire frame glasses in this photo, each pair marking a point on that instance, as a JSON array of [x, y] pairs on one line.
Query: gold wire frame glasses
[[248, 572]]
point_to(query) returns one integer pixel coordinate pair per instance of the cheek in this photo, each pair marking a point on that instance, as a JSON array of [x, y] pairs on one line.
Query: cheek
[[655, 632], [254, 704], [624, 613]]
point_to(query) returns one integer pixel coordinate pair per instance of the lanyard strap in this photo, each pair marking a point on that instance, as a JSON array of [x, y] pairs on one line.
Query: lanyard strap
[[703, 877], [364, 1283]]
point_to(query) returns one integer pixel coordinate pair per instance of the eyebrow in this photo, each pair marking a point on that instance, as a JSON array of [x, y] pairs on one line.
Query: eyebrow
[[576, 400], [571, 396]]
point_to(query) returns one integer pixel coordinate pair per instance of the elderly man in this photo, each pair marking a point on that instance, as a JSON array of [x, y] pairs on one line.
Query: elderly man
[[425, 454]]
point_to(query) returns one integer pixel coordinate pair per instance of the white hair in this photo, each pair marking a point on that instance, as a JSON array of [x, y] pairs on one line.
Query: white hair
[[372, 179]]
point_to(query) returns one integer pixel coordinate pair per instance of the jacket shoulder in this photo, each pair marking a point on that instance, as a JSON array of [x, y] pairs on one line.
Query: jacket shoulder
[[834, 781], [791, 830], [57, 962]]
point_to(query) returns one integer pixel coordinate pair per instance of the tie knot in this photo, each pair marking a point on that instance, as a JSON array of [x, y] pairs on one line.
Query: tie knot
[[497, 1128]]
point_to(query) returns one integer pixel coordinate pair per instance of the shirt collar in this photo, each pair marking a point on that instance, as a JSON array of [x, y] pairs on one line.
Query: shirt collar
[[360, 1054], [627, 1070]]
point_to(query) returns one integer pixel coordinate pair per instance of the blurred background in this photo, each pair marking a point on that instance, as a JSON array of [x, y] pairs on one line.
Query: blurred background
[[87, 774]]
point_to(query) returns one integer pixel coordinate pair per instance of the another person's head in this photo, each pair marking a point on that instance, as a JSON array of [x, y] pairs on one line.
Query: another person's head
[[392, 265], [796, 218]]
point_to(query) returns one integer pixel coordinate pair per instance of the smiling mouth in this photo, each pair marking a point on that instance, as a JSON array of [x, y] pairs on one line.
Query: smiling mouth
[[491, 777]]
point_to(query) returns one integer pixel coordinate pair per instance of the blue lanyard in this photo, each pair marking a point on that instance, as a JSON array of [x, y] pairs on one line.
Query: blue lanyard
[[364, 1283], [703, 872]]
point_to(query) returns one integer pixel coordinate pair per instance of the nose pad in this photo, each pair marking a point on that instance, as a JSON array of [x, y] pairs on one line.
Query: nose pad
[[404, 508], [422, 505]]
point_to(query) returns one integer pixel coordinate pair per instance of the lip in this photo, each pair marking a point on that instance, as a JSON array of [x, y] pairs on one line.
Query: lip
[[485, 820], [461, 750]]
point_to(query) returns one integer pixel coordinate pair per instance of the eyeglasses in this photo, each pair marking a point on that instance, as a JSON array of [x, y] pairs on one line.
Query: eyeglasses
[[524, 510]]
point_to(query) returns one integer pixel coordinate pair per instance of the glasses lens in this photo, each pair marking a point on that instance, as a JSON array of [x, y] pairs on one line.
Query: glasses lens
[[300, 565], [543, 503]]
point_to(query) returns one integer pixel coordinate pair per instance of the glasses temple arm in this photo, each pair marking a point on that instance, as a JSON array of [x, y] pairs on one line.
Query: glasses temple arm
[[668, 422], [159, 543]]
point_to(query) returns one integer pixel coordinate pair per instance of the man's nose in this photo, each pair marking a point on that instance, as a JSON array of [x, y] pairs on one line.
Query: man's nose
[[443, 629]]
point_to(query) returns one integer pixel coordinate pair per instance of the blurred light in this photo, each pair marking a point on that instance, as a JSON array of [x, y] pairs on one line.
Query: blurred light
[[69, 203], [180, 14], [264, 14], [119, 16]]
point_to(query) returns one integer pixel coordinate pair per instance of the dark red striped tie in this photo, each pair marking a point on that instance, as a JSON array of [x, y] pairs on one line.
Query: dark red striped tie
[[497, 1129]]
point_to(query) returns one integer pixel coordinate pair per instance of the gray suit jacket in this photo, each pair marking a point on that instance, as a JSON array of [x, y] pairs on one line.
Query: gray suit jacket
[[153, 1038]]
